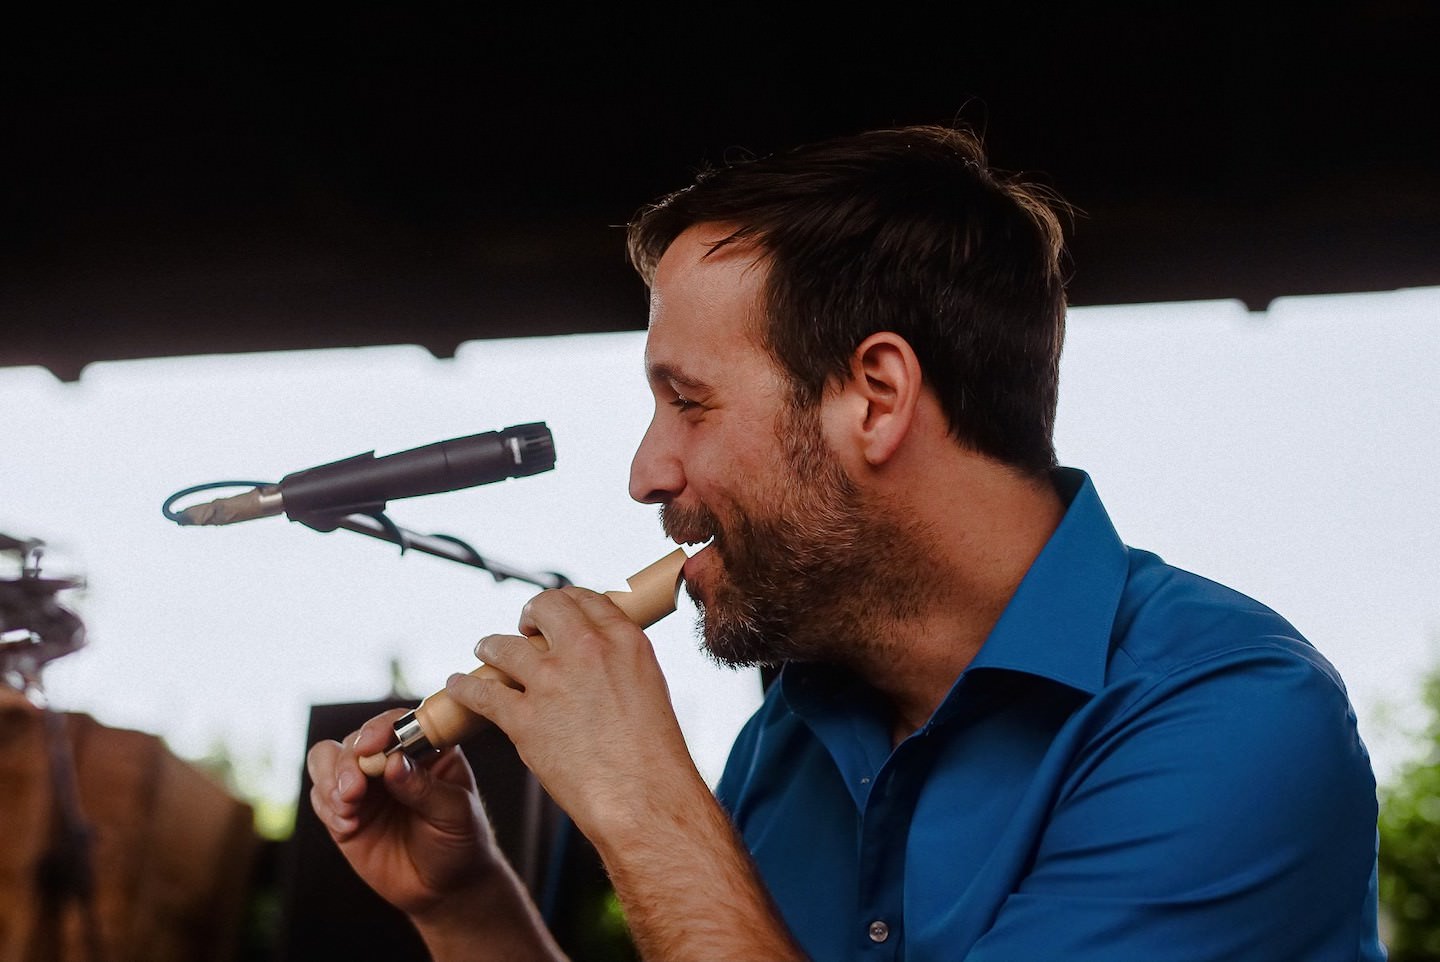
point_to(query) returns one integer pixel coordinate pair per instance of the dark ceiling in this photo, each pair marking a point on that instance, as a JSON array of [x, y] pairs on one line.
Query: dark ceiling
[[183, 180]]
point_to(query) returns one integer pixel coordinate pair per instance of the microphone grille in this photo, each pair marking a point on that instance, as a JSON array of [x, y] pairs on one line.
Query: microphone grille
[[533, 446]]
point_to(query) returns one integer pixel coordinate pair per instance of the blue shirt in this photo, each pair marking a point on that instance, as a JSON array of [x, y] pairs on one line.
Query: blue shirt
[[1139, 764]]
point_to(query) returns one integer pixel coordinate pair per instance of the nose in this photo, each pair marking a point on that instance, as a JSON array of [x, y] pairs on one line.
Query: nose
[[656, 473]]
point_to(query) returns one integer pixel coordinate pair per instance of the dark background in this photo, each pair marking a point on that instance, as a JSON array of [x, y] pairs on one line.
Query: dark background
[[193, 179]]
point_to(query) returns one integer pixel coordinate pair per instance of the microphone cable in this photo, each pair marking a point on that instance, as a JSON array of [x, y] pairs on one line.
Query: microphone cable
[[378, 525], [210, 485]]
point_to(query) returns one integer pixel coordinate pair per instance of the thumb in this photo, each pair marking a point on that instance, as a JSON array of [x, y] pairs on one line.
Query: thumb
[[447, 806]]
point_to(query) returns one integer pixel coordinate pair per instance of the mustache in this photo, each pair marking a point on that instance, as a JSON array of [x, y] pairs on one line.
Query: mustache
[[688, 524]]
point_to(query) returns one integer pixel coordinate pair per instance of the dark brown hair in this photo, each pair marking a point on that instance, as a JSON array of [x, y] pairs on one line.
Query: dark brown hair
[[906, 230]]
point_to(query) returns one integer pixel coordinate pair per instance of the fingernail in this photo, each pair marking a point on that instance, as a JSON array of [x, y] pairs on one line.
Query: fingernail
[[407, 767], [343, 783]]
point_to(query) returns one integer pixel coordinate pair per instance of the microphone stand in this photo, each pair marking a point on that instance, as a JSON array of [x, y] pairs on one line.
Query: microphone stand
[[371, 520], [440, 545]]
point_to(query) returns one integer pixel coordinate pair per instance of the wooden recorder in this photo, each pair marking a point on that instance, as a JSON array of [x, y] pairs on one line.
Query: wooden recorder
[[439, 721]]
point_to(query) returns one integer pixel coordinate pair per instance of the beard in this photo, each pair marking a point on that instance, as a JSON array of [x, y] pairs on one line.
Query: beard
[[809, 572]]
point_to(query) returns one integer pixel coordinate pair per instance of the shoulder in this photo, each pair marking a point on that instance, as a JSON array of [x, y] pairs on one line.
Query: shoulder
[[1171, 621], [1218, 772], [1224, 712]]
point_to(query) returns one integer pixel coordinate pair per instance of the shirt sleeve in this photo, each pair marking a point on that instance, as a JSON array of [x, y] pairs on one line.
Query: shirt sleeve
[[1226, 813]]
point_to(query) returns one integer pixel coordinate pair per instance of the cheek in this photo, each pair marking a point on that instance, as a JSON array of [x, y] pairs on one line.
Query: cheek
[[717, 466]]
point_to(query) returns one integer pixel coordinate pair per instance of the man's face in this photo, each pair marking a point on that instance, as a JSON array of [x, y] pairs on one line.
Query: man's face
[[800, 566], [794, 550]]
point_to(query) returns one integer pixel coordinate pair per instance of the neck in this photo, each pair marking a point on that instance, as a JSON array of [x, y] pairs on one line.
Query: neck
[[980, 527]]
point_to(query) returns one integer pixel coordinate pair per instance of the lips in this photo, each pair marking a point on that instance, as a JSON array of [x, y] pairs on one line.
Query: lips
[[692, 527], [695, 565]]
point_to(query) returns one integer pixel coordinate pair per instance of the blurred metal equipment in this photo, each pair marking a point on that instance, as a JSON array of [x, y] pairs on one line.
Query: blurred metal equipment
[[36, 629], [113, 849]]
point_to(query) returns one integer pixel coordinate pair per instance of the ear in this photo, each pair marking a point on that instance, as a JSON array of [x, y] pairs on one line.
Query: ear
[[877, 406]]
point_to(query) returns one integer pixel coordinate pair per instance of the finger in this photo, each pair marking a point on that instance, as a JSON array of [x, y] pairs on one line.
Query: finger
[[320, 765], [541, 605], [320, 761], [373, 738], [483, 696], [450, 803], [369, 741], [340, 826], [332, 769], [450, 766], [591, 626], [560, 612], [512, 655], [575, 614], [376, 734], [336, 815], [598, 607]]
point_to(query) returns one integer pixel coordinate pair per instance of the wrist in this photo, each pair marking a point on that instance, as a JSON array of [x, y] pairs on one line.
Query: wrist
[[723, 910], [665, 814], [491, 917]]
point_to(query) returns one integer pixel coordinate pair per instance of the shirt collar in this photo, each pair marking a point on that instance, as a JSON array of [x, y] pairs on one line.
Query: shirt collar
[[1058, 623]]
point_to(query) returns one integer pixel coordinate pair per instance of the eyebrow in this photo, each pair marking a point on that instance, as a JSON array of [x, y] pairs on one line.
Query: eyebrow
[[671, 374]]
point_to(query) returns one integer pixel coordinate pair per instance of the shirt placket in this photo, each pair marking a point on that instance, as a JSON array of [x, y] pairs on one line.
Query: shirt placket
[[884, 833]]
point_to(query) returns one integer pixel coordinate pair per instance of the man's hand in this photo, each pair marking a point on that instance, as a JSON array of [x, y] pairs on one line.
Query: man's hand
[[592, 716], [420, 838], [592, 719], [417, 837]]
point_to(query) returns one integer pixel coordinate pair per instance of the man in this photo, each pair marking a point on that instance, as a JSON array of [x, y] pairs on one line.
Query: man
[[1000, 734]]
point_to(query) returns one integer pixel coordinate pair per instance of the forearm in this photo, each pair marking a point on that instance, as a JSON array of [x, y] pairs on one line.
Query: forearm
[[689, 888], [493, 921]]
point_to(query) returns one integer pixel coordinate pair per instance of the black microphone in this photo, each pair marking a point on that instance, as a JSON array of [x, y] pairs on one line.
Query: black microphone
[[320, 497]]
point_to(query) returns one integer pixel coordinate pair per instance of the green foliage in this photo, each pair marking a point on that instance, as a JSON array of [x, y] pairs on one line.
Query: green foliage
[[1410, 846], [273, 820]]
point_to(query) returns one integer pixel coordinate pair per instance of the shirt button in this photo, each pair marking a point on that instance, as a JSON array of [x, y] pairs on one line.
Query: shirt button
[[879, 931]]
